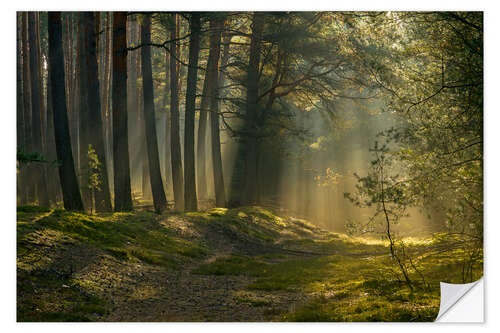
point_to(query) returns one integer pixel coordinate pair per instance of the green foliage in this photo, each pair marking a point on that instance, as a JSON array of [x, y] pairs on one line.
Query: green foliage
[[24, 157], [92, 174]]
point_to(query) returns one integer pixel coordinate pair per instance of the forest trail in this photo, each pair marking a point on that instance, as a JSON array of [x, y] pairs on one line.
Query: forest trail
[[242, 264], [183, 295]]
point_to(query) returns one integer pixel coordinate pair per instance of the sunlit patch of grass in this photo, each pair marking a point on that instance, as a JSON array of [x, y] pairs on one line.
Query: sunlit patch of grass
[[123, 235], [363, 309], [253, 300], [233, 265]]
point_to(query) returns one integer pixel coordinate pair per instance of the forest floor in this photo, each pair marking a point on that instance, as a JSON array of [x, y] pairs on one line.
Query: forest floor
[[242, 264]]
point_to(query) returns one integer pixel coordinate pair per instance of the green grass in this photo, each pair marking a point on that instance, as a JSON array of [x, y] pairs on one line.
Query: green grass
[[344, 278], [45, 296], [124, 235], [233, 265]]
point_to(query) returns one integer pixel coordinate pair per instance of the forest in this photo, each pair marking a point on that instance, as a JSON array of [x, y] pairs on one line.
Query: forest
[[247, 166]]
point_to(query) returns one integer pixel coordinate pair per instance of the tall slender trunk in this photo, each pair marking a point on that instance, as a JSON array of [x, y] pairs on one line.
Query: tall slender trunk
[[123, 196], [54, 185], [28, 172], [134, 115], [106, 83], [176, 160], [167, 146], [140, 126], [251, 113], [202, 129], [159, 199], [21, 196], [36, 109], [96, 137], [190, 200], [84, 125], [218, 81], [74, 96], [69, 182]]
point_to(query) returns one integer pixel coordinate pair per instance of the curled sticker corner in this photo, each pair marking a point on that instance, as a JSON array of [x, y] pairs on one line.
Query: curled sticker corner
[[453, 296]]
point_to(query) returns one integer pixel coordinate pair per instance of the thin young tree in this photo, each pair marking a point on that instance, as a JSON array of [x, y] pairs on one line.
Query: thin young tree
[[159, 199], [176, 158], [121, 162], [67, 175]]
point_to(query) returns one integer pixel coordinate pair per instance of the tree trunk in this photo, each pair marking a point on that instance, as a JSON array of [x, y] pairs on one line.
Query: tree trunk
[[167, 146], [96, 137], [177, 174], [84, 125], [69, 183], [133, 108], [106, 100], [21, 194], [36, 110], [159, 200], [123, 196], [202, 129], [190, 200], [74, 96], [28, 172], [216, 26], [251, 114], [54, 186]]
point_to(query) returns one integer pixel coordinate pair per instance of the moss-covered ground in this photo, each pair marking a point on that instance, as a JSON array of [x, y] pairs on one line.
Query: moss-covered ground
[[243, 264]]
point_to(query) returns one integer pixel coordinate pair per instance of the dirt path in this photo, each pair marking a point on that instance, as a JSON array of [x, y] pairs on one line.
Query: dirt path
[[152, 293]]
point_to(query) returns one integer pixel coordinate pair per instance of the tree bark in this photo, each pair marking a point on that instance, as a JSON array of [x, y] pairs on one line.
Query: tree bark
[[216, 26], [176, 160], [36, 109], [21, 193], [54, 186], [69, 183], [28, 179], [159, 199], [74, 96], [202, 129], [167, 145], [96, 136], [123, 196], [190, 199], [84, 125], [133, 108], [251, 114]]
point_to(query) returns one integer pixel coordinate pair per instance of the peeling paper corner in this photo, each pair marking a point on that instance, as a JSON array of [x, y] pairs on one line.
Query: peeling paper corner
[[462, 303]]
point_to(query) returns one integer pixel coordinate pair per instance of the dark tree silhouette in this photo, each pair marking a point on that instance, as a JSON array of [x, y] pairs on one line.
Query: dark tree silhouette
[[96, 135], [159, 199], [123, 196], [67, 175], [190, 199], [252, 86]]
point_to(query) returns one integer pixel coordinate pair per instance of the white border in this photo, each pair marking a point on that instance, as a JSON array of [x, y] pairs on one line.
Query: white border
[[8, 138]]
